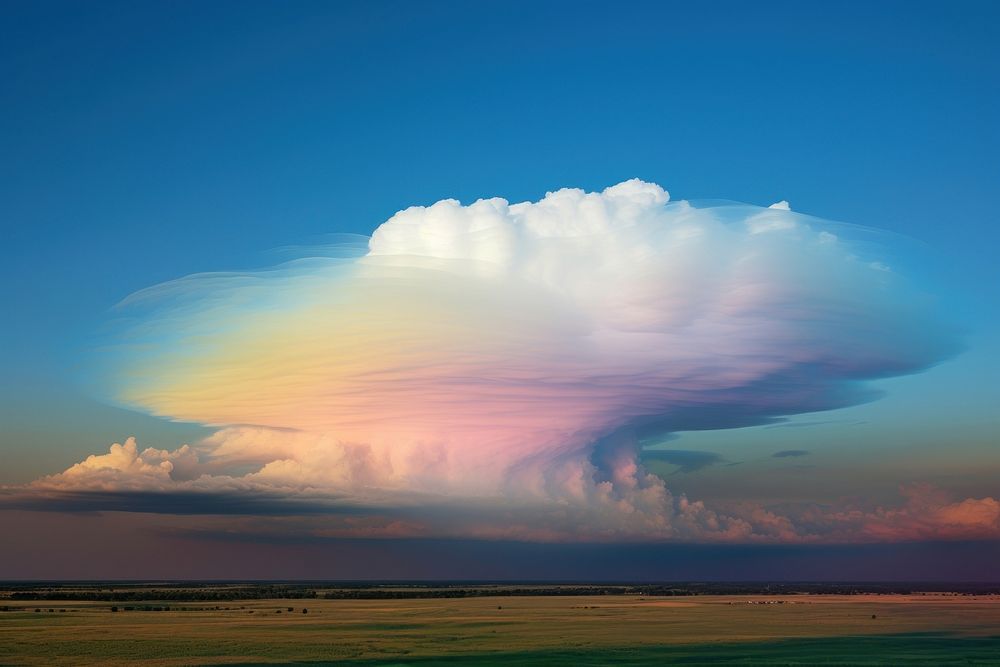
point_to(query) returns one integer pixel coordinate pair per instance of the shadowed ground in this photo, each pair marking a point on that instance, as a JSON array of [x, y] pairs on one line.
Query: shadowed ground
[[912, 649]]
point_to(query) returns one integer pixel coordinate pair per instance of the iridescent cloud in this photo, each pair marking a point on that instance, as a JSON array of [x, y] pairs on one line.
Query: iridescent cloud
[[515, 358]]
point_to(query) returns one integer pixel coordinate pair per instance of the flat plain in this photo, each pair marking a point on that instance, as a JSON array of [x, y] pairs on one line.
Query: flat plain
[[571, 630]]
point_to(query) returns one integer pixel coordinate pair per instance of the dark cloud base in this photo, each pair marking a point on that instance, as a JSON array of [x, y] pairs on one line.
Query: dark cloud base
[[686, 460], [45, 545], [180, 503]]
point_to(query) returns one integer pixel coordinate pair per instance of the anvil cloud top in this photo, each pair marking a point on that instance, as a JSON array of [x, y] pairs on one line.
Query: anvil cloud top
[[515, 356]]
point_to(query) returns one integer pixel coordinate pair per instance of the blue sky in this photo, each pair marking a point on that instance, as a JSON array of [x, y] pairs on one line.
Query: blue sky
[[141, 142]]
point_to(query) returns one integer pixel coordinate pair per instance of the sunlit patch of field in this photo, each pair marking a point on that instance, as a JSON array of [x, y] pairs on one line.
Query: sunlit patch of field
[[803, 629]]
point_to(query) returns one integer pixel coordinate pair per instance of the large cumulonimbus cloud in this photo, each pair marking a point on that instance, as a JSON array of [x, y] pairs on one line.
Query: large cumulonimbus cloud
[[518, 356]]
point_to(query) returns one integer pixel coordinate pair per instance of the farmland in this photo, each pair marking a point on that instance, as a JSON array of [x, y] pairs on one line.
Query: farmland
[[523, 629]]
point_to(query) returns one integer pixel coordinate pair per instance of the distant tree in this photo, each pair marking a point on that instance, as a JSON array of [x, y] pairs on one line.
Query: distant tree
[[114, 609], [290, 609]]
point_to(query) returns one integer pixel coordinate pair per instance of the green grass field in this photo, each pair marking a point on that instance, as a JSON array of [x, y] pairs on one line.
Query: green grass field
[[805, 630]]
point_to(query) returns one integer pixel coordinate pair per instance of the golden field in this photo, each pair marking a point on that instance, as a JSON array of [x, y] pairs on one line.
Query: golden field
[[801, 629]]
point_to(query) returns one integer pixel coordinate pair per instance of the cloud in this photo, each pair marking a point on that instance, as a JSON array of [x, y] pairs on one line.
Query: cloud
[[511, 358], [271, 517], [182, 499], [927, 513], [790, 453], [125, 467], [685, 460], [815, 422]]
